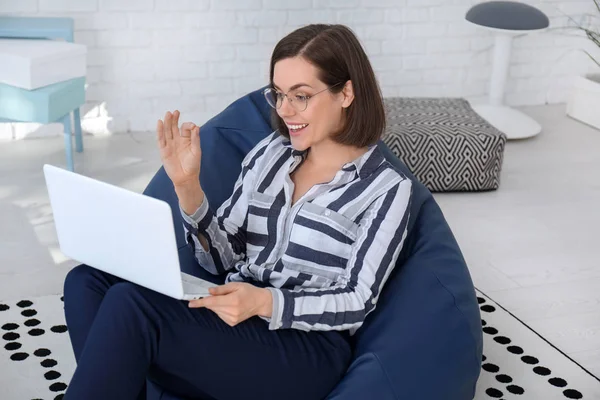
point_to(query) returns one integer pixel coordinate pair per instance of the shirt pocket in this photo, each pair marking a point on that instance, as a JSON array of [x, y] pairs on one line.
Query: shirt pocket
[[321, 242]]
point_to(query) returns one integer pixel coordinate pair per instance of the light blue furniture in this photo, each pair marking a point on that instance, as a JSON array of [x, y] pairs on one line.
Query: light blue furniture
[[52, 103]]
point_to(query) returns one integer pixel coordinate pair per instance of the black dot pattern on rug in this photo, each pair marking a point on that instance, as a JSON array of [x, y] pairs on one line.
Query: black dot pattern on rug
[[572, 394], [58, 387], [48, 363], [480, 300], [4, 307], [502, 340], [483, 358], [52, 375], [558, 382], [488, 308], [30, 312], [59, 397], [514, 389], [542, 371], [483, 323], [59, 329], [62, 298], [10, 326], [19, 356], [495, 393], [504, 378], [11, 336], [11, 346], [42, 352], [515, 349], [32, 322], [490, 331], [24, 303], [490, 368], [530, 360], [36, 332]]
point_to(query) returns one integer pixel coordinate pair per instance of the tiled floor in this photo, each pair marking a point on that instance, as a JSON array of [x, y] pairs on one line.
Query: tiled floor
[[532, 245]]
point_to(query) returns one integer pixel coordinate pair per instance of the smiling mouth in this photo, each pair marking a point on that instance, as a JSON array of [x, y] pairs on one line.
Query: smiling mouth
[[296, 129]]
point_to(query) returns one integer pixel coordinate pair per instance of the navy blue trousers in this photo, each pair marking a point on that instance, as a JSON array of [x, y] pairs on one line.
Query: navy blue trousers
[[123, 334]]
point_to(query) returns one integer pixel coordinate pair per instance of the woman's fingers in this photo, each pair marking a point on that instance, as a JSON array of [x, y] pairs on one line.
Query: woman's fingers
[[187, 129], [196, 139], [175, 125], [167, 127], [169, 130], [160, 135]]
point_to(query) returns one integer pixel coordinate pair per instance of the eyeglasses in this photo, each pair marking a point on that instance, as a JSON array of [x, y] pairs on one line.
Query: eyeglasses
[[299, 101]]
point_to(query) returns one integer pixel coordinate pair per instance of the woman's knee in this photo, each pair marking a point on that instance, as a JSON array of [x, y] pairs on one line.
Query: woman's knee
[[78, 277], [126, 296], [134, 301]]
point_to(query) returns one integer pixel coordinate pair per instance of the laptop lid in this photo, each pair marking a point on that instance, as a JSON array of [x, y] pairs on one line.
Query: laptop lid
[[115, 230]]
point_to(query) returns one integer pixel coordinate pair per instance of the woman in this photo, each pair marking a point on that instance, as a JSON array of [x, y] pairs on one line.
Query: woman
[[308, 238]]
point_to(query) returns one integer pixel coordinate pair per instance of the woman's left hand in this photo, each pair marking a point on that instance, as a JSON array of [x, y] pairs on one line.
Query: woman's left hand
[[235, 302]]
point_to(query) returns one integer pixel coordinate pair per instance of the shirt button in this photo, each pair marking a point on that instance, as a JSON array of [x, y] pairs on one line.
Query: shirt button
[[327, 212]]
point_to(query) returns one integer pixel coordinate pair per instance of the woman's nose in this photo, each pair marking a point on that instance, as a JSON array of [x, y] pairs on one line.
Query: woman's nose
[[286, 108]]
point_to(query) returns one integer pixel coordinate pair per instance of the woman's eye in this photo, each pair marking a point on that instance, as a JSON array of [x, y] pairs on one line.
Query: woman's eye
[[301, 97]]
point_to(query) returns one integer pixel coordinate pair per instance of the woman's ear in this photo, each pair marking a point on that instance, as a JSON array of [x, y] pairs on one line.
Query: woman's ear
[[348, 93]]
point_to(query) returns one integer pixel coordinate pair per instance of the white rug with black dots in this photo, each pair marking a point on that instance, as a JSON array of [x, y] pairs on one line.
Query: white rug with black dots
[[37, 361], [520, 364]]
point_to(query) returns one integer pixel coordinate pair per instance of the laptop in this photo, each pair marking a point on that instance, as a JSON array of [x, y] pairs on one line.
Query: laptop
[[127, 234]]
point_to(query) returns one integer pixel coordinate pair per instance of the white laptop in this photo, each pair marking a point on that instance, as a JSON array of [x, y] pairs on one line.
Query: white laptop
[[127, 234]]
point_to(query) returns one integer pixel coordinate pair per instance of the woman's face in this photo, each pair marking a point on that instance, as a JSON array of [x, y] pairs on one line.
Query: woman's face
[[323, 116]]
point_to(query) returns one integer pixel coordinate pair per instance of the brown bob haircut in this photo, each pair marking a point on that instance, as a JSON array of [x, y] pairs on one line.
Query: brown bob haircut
[[339, 57]]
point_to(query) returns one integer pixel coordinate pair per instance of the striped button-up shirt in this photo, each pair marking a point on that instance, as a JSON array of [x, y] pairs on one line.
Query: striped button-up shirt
[[326, 257]]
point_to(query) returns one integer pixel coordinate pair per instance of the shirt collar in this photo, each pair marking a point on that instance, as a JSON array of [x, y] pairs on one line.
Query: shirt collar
[[367, 163], [363, 165]]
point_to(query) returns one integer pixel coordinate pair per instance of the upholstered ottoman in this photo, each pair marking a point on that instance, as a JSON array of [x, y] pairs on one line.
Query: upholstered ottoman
[[445, 144]]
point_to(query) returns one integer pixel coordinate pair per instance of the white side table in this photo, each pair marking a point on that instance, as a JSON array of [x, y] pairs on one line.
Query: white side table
[[506, 19]]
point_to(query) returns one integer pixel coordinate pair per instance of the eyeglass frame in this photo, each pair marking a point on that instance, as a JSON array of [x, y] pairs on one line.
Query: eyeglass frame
[[269, 89]]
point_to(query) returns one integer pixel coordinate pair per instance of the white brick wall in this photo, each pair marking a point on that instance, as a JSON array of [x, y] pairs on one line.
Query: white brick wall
[[149, 56]]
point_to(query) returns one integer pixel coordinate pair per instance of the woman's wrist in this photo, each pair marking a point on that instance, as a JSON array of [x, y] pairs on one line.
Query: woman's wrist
[[266, 308], [190, 197]]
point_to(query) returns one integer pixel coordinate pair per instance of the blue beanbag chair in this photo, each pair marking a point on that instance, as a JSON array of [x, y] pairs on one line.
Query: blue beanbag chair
[[424, 339]]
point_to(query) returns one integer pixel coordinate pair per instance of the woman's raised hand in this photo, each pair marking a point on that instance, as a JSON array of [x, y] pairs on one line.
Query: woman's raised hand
[[179, 149]]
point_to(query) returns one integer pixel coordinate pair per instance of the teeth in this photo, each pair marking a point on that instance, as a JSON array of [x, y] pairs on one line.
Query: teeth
[[297, 126]]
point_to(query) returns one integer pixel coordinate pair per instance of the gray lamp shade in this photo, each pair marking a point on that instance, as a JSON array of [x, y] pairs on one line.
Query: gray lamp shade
[[508, 15]]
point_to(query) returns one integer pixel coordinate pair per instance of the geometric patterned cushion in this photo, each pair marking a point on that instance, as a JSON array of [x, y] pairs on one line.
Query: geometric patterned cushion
[[445, 144]]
